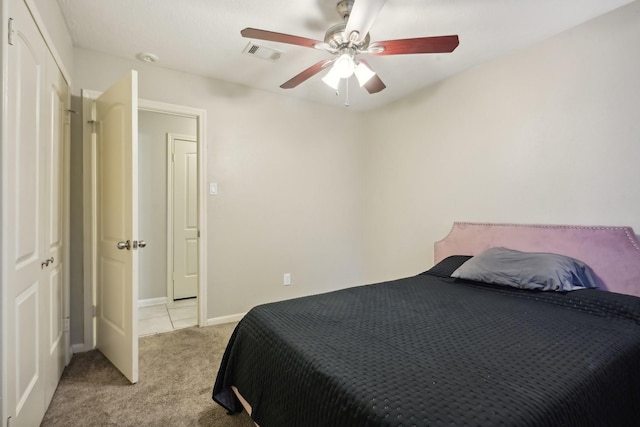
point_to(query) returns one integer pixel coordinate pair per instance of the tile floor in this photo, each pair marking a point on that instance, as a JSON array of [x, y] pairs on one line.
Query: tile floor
[[155, 319]]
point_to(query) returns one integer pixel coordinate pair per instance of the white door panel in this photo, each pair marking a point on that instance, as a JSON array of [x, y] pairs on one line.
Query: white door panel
[[25, 227], [25, 148], [117, 221], [57, 92], [185, 218], [28, 392]]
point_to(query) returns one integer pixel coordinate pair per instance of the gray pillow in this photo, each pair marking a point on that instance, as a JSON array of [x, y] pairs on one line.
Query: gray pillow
[[528, 270]]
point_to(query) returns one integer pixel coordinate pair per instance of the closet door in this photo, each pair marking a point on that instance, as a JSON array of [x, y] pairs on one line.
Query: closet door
[[53, 336], [33, 227]]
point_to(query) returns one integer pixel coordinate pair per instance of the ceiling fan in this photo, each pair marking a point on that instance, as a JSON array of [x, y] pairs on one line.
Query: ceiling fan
[[349, 39]]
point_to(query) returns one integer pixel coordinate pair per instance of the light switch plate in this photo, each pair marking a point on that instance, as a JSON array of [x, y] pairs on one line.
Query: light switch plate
[[213, 188]]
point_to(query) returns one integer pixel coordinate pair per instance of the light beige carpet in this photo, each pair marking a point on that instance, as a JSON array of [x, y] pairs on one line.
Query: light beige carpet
[[177, 371]]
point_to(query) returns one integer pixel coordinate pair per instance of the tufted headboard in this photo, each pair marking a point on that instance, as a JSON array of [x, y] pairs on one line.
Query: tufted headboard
[[612, 252]]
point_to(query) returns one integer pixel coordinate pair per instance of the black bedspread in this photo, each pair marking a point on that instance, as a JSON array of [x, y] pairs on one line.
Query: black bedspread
[[430, 351]]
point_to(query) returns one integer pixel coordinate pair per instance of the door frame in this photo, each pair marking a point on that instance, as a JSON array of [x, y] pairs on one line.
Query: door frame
[[89, 206], [171, 137]]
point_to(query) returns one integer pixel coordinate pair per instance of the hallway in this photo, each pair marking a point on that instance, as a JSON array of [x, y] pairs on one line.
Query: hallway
[[159, 318]]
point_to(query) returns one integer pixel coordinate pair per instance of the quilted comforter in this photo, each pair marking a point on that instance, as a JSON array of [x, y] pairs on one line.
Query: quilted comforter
[[435, 351]]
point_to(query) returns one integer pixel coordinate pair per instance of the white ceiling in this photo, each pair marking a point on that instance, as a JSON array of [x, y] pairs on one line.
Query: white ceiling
[[203, 37]]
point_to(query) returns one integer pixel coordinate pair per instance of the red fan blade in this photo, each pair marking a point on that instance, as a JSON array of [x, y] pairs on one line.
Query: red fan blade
[[375, 84], [254, 33], [306, 74], [440, 44], [362, 17]]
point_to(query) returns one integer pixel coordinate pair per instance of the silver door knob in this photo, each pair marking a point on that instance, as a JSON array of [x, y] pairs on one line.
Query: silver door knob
[[124, 245], [142, 243]]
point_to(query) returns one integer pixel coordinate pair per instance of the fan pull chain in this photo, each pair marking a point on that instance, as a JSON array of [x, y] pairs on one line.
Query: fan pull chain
[[346, 91]]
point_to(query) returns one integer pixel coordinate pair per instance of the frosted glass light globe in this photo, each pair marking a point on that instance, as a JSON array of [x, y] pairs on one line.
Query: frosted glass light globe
[[344, 66]]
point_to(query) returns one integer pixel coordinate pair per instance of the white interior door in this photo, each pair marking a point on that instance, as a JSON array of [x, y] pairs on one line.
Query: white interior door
[[33, 227], [185, 217], [117, 225], [25, 147], [57, 96]]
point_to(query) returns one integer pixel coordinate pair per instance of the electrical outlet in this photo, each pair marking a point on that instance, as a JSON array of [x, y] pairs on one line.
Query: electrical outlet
[[287, 279]]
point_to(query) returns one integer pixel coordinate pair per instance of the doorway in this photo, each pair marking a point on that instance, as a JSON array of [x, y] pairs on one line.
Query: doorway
[[167, 111], [197, 117], [168, 211]]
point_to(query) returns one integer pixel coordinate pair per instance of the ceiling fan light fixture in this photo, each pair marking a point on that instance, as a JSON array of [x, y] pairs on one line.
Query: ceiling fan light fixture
[[363, 73], [349, 39], [344, 66], [332, 79]]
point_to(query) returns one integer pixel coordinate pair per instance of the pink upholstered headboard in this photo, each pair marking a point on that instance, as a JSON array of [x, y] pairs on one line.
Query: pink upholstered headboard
[[612, 252]]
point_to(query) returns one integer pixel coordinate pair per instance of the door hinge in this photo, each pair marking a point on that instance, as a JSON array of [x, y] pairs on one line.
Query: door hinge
[[12, 32], [68, 117], [93, 310], [92, 123]]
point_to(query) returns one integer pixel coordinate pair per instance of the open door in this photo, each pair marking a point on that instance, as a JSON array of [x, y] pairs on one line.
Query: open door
[[116, 129]]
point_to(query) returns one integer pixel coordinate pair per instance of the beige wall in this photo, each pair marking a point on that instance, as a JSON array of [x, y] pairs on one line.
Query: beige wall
[[547, 135], [550, 134], [289, 177]]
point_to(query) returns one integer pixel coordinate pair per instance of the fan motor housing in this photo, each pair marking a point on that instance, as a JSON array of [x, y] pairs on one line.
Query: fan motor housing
[[337, 39]]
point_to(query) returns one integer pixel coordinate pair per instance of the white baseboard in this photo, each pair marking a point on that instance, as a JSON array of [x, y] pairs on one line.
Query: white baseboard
[[78, 348], [225, 319], [151, 301]]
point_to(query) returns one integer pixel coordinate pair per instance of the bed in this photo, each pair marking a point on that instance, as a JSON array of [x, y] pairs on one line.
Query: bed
[[433, 350]]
